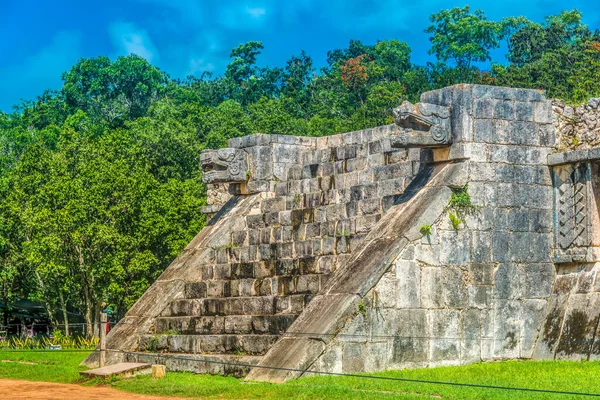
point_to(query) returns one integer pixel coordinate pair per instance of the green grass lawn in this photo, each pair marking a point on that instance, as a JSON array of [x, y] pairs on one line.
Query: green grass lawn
[[550, 375]]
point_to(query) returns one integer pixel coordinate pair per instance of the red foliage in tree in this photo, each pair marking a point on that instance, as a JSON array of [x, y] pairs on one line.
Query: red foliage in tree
[[595, 46], [354, 73]]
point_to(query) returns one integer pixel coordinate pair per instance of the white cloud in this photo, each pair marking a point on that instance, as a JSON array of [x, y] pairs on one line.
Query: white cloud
[[129, 39], [256, 12]]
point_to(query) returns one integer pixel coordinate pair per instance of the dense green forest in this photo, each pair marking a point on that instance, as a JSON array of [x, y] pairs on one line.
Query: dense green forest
[[100, 185]]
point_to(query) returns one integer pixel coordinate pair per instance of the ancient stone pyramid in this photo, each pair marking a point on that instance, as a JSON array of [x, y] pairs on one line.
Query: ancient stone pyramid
[[430, 241]]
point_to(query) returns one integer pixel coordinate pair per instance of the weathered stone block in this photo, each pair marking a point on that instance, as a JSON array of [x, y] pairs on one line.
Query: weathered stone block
[[507, 284], [446, 336], [507, 328], [480, 296], [408, 274]]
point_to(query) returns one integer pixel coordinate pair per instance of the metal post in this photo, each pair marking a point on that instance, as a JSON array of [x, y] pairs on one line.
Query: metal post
[[103, 320]]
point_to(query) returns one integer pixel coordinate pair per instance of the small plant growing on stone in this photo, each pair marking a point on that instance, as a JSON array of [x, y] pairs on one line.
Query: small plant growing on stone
[[343, 233], [238, 351], [362, 309], [460, 206], [460, 199], [248, 175], [171, 332], [230, 245], [426, 230], [455, 220], [153, 344], [296, 199]]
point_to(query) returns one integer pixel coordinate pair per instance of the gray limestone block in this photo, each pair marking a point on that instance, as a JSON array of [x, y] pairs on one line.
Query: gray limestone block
[[493, 92], [356, 164], [483, 194], [369, 206], [445, 335], [272, 218], [258, 186], [454, 288], [428, 254], [518, 219], [195, 290], [542, 112], [471, 336], [525, 174], [410, 342], [480, 296], [523, 111], [505, 109], [456, 247], [481, 273], [541, 247], [505, 172], [390, 186], [531, 95], [311, 171], [432, 287], [481, 247], [547, 134], [484, 108], [507, 328], [508, 195], [396, 156], [500, 153], [408, 274], [524, 131], [536, 280], [353, 358], [541, 221], [482, 172], [579, 327], [507, 284], [386, 290], [481, 219], [281, 189], [585, 283], [377, 356], [543, 175], [533, 316], [392, 171], [220, 271]]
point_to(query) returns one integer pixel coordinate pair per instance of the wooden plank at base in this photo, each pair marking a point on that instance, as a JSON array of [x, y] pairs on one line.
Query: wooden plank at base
[[121, 369]]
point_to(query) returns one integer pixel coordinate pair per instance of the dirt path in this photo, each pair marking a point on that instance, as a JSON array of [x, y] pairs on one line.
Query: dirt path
[[18, 389]]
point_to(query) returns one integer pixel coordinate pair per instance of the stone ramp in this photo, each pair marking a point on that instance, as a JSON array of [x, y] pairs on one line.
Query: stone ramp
[[126, 369]]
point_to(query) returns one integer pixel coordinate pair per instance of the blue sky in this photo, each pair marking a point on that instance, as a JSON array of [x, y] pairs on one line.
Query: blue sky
[[41, 39]]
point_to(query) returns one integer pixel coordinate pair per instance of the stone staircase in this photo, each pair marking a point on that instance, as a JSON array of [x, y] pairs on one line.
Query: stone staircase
[[259, 276]]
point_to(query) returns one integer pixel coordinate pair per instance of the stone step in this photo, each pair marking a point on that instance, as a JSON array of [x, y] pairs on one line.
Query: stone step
[[234, 324], [208, 344], [264, 286], [221, 364], [254, 305]]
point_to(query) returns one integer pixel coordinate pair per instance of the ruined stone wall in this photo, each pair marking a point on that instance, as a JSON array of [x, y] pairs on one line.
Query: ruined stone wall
[[478, 291], [577, 127], [338, 254]]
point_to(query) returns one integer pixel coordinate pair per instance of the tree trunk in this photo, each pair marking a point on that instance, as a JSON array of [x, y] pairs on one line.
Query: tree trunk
[[46, 304], [63, 306], [88, 295]]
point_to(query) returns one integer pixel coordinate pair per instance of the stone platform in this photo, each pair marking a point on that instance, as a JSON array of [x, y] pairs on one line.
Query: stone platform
[[349, 253]]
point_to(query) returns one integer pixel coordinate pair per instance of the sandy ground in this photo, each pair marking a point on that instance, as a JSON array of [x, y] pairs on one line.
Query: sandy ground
[[18, 389]]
